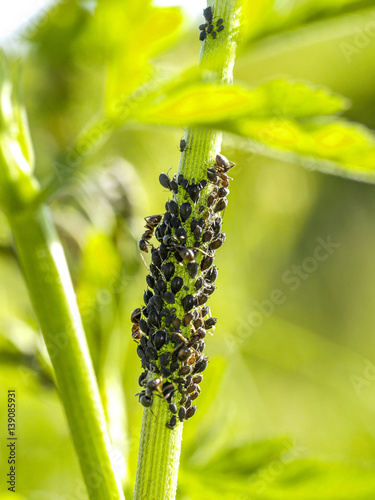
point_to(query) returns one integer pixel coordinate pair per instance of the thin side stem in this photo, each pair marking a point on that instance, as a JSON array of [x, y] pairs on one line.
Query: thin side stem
[[51, 291], [160, 447]]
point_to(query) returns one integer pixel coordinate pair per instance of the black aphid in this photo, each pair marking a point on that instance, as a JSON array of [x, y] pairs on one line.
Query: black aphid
[[190, 412], [209, 323], [164, 358], [206, 262], [153, 318], [220, 205], [143, 325], [201, 365], [184, 353], [202, 299], [207, 236], [147, 296], [208, 14], [194, 192], [173, 408], [202, 35], [185, 211], [160, 339], [189, 302], [161, 286], [185, 370], [172, 207], [223, 191], [151, 353], [215, 244], [156, 259], [171, 345], [172, 423], [165, 181], [175, 222], [181, 234], [192, 269], [176, 284], [187, 254], [183, 145], [198, 284], [168, 270], [156, 302], [212, 175], [174, 187], [169, 297], [182, 414]]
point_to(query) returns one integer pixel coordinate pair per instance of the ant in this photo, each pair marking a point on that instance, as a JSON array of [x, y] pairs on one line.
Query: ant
[[186, 253], [152, 222], [135, 317], [146, 396]]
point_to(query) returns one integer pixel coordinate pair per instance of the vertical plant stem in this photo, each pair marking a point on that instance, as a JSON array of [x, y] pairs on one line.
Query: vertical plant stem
[[160, 447], [51, 291], [216, 60], [159, 455]]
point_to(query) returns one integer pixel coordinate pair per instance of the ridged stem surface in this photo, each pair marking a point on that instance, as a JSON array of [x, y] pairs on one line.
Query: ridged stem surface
[[49, 284], [160, 447]]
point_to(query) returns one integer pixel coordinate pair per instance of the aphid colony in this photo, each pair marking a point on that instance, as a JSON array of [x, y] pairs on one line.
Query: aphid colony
[[171, 327], [208, 28]]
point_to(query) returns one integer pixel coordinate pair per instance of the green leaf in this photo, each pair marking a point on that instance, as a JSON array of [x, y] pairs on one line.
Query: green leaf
[[299, 99], [247, 459], [279, 97], [186, 106], [310, 479], [282, 117], [17, 337], [11, 496], [264, 18], [44, 424], [269, 109], [16, 154], [131, 35], [274, 470], [332, 146]]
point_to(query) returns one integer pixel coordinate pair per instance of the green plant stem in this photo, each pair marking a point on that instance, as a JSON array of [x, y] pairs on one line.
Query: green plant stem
[[159, 451], [51, 291], [159, 455], [216, 60]]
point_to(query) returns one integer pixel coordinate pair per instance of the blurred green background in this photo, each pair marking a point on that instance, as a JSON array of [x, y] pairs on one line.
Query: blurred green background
[[297, 382]]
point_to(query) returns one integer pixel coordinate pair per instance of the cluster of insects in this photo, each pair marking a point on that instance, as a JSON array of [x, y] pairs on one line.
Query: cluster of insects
[[209, 28], [171, 326]]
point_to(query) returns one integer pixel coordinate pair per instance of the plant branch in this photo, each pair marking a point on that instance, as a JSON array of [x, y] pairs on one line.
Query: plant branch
[[160, 447], [216, 60], [51, 291], [159, 455]]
